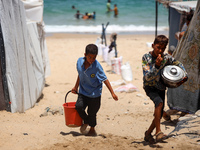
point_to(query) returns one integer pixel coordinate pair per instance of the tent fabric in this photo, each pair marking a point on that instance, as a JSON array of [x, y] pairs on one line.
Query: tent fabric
[[44, 51], [185, 6], [25, 56], [2, 55], [3, 100], [176, 9], [186, 98], [34, 13], [34, 10], [174, 21]]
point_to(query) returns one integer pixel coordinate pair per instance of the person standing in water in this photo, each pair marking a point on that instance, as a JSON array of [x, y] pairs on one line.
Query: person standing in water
[[108, 6], [115, 10]]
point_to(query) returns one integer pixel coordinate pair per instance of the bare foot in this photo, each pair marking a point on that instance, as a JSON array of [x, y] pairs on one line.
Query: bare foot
[[83, 128], [166, 116], [149, 138]]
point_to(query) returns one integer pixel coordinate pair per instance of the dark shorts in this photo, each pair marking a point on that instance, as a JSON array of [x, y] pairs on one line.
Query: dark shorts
[[157, 96], [92, 105]]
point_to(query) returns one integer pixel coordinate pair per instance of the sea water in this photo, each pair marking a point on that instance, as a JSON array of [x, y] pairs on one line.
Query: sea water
[[134, 16]]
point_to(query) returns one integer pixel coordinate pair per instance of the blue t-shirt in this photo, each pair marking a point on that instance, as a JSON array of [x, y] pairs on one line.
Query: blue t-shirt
[[91, 78]]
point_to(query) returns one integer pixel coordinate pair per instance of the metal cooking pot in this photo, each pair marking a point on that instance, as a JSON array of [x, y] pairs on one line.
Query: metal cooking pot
[[172, 75]]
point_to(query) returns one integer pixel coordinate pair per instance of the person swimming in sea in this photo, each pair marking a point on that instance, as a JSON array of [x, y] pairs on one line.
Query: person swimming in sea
[[78, 15]]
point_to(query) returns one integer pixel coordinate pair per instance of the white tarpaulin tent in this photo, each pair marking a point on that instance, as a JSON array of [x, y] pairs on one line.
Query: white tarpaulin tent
[[176, 9], [34, 10], [184, 6], [24, 57], [34, 15]]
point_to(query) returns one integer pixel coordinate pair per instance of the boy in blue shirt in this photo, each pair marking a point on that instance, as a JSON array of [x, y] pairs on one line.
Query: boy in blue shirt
[[89, 81], [152, 64]]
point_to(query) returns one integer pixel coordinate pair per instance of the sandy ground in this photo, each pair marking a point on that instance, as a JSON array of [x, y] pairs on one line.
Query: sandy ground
[[120, 125]]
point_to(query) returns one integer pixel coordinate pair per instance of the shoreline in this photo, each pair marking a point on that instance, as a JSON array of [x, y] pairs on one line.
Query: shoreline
[[121, 33]]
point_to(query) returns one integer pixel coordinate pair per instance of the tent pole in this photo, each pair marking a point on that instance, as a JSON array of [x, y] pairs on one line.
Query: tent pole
[[156, 21]]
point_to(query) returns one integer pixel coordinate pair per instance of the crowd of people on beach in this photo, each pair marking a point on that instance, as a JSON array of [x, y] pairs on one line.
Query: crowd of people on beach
[[92, 15], [85, 16]]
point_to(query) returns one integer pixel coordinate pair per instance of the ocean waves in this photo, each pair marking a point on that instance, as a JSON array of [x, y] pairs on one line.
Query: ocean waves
[[98, 28]]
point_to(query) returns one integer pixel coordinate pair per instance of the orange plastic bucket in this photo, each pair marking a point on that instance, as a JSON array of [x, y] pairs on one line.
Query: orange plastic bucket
[[72, 118]]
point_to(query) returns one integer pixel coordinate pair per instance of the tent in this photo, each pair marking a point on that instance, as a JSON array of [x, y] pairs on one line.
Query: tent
[[176, 10], [186, 98], [24, 62]]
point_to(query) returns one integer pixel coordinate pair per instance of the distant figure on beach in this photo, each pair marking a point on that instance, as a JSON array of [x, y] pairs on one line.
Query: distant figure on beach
[[152, 64], [183, 18], [108, 6], [94, 15], [178, 35], [85, 16], [89, 16], [115, 10], [113, 38], [89, 81], [78, 14], [73, 7]]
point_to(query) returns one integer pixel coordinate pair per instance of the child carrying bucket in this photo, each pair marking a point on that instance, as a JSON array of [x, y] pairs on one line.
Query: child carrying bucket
[[89, 81]]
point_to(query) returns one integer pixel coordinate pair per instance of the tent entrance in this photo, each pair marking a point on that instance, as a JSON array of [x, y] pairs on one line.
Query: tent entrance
[[2, 98], [4, 95]]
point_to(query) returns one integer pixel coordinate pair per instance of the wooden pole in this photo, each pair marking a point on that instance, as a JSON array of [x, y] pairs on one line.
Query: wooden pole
[[156, 21]]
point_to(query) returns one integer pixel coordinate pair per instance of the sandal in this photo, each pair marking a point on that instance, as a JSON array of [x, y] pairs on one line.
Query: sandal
[[160, 136], [149, 138]]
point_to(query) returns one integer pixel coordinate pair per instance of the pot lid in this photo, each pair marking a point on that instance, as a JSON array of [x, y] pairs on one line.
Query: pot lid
[[173, 73]]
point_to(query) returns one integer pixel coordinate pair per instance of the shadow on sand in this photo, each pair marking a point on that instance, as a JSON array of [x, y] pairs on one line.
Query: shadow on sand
[[156, 145], [72, 133]]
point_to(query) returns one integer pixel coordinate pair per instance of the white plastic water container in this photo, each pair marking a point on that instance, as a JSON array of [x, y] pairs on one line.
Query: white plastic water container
[[105, 53], [98, 41], [100, 49], [107, 56], [149, 44], [126, 72]]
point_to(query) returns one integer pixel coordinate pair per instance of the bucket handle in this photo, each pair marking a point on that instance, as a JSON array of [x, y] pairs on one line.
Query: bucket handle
[[67, 94]]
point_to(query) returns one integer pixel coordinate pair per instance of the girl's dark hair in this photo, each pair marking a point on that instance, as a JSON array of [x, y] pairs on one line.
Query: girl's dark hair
[[161, 39], [91, 49]]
